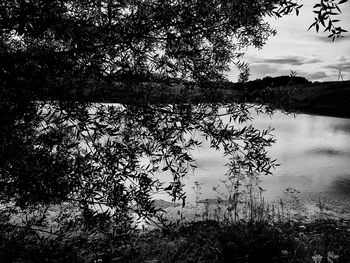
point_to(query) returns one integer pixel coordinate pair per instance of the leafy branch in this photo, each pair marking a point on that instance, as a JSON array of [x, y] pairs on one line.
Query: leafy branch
[[326, 10]]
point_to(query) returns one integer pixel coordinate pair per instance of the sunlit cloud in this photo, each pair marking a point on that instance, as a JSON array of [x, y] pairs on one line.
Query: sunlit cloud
[[319, 75], [263, 70], [289, 60], [342, 66], [284, 60], [329, 40]]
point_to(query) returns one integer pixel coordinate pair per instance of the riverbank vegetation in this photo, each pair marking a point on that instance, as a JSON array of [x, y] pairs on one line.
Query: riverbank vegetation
[[210, 241], [287, 239]]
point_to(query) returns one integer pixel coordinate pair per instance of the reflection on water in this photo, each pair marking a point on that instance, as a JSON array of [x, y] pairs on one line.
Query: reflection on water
[[314, 149], [342, 184], [314, 153], [342, 127], [326, 151]]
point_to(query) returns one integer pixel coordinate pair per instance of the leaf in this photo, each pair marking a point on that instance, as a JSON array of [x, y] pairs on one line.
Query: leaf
[[72, 145], [329, 26], [312, 25], [322, 22], [338, 9]]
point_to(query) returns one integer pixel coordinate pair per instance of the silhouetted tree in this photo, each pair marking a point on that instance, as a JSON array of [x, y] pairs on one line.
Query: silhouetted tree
[[62, 48]]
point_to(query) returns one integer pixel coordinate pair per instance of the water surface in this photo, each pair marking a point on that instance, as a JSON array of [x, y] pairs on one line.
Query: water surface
[[313, 153]]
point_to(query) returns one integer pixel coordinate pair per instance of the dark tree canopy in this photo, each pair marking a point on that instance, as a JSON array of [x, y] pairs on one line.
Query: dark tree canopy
[[61, 46]]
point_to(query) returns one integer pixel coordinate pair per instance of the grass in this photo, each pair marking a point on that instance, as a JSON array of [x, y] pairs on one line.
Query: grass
[[264, 233], [211, 241], [279, 232], [236, 227]]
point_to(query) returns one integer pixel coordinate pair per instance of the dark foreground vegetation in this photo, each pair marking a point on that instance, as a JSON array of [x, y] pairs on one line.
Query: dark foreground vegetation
[[210, 241], [205, 241]]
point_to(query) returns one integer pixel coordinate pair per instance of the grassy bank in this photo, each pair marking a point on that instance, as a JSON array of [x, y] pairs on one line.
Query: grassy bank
[[320, 98], [210, 241], [261, 234], [329, 98], [319, 241]]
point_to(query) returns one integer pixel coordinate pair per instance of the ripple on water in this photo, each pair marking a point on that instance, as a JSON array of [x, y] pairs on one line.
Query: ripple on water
[[341, 185], [326, 151]]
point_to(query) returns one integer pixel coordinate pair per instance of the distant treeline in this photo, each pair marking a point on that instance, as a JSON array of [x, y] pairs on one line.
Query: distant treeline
[[268, 81], [165, 90]]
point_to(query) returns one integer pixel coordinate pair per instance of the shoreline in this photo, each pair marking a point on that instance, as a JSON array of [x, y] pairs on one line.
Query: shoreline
[[331, 99]]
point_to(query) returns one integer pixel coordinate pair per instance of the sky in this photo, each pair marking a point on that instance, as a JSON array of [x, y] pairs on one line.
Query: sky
[[311, 55]]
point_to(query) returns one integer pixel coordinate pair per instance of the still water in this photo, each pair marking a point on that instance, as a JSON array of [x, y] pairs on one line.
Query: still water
[[313, 153]]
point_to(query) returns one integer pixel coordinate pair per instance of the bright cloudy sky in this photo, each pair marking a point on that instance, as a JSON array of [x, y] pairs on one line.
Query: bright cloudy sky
[[311, 55]]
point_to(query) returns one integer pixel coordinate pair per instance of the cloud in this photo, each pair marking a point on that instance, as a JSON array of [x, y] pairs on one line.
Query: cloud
[[344, 66], [317, 75], [342, 58], [286, 60], [282, 60], [313, 61], [263, 69], [326, 39]]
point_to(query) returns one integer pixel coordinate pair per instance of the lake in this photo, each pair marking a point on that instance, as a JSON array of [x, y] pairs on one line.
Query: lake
[[313, 153]]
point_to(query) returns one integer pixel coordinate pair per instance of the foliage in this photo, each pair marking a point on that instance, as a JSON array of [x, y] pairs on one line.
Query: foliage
[[104, 161], [260, 84], [210, 241], [325, 11], [64, 48]]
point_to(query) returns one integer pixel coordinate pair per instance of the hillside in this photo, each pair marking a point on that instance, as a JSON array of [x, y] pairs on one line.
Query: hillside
[[327, 98], [322, 98]]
